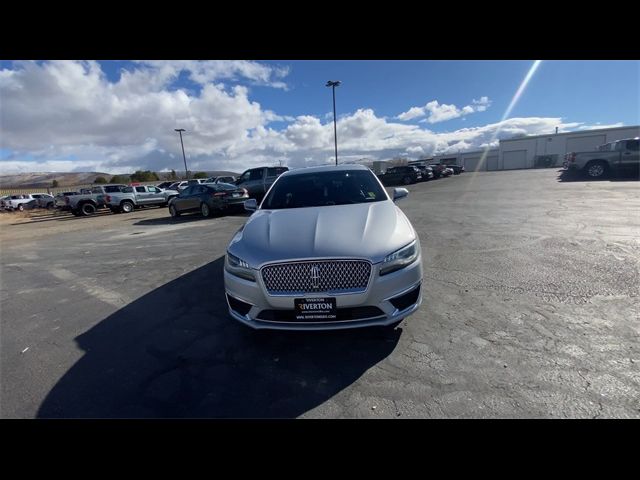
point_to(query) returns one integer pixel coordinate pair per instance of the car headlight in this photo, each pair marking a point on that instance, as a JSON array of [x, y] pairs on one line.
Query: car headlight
[[399, 259], [239, 267]]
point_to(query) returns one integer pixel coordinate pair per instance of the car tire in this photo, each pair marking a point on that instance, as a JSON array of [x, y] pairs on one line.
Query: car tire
[[205, 210], [173, 211], [597, 169], [20, 208], [87, 209], [126, 207], [50, 206]]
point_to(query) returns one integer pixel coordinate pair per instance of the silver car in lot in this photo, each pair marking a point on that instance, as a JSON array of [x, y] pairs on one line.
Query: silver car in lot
[[326, 249]]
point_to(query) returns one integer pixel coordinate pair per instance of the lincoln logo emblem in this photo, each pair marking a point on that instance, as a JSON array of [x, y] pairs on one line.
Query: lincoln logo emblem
[[315, 277]]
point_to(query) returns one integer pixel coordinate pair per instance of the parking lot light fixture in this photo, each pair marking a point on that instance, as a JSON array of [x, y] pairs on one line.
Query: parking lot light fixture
[[186, 171], [333, 84]]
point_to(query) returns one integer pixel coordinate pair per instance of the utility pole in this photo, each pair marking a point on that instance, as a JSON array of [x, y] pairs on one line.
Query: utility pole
[[333, 85], [186, 171]]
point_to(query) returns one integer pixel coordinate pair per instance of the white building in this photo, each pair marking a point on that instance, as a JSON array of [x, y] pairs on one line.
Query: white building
[[537, 151]]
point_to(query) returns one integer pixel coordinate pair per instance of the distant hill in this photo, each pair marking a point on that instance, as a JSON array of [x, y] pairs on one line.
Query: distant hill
[[45, 179], [70, 179]]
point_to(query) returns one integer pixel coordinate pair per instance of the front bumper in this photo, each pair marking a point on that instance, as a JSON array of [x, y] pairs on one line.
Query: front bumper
[[376, 299]]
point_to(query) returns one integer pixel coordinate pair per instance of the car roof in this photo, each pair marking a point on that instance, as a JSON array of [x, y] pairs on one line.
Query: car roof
[[325, 168]]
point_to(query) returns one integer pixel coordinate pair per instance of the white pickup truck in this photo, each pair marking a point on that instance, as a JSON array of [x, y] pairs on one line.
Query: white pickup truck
[[130, 198], [17, 202]]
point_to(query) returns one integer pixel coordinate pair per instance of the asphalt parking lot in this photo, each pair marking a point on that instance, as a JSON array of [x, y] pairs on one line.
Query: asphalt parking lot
[[530, 309]]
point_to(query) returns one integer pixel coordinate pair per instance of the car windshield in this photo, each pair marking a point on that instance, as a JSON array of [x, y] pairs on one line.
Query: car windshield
[[324, 188]]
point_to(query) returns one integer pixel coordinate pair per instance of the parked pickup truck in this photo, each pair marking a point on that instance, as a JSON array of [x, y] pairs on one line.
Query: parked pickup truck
[[18, 202], [130, 198], [621, 155], [61, 203], [257, 181], [87, 204]]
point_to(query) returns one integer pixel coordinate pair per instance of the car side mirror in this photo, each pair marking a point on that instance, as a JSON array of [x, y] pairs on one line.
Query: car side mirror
[[251, 205], [399, 193]]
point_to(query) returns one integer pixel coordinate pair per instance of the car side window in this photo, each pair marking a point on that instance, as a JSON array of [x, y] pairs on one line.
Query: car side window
[[633, 145], [140, 190], [256, 174], [154, 190], [274, 172], [187, 191]]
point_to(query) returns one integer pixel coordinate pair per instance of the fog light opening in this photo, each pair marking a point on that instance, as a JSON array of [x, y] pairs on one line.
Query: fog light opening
[[404, 301], [238, 306]]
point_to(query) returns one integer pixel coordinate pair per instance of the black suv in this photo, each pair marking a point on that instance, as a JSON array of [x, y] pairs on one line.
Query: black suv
[[258, 180], [404, 175]]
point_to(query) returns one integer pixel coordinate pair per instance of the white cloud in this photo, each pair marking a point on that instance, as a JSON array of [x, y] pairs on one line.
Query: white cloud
[[204, 72], [413, 112], [66, 116], [436, 112]]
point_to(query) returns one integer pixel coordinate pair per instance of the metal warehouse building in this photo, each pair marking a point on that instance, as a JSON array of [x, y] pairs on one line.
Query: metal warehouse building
[[538, 151]]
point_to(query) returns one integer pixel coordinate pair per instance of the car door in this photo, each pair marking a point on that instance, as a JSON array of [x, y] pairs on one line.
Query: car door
[[256, 181], [252, 181], [183, 200], [630, 156], [155, 195], [272, 174], [142, 196]]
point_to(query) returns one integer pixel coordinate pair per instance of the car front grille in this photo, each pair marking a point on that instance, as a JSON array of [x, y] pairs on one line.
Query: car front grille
[[331, 276]]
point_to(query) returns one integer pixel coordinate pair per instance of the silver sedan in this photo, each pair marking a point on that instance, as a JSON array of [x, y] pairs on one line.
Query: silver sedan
[[326, 249]]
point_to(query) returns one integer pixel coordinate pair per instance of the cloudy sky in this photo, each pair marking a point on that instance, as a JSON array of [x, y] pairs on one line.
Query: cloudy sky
[[119, 116]]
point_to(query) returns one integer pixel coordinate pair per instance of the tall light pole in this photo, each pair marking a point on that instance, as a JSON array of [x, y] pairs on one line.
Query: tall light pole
[[333, 84], [186, 171]]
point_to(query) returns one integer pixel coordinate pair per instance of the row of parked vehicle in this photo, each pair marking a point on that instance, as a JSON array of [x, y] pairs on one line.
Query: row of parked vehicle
[[210, 196], [418, 172]]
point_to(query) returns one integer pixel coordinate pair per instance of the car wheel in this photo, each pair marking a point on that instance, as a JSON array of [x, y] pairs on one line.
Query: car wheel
[[204, 209], [50, 206], [406, 180], [173, 211], [88, 209], [127, 207], [597, 169], [21, 208]]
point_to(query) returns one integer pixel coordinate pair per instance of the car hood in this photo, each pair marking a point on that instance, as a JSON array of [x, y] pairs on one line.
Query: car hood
[[366, 230]]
